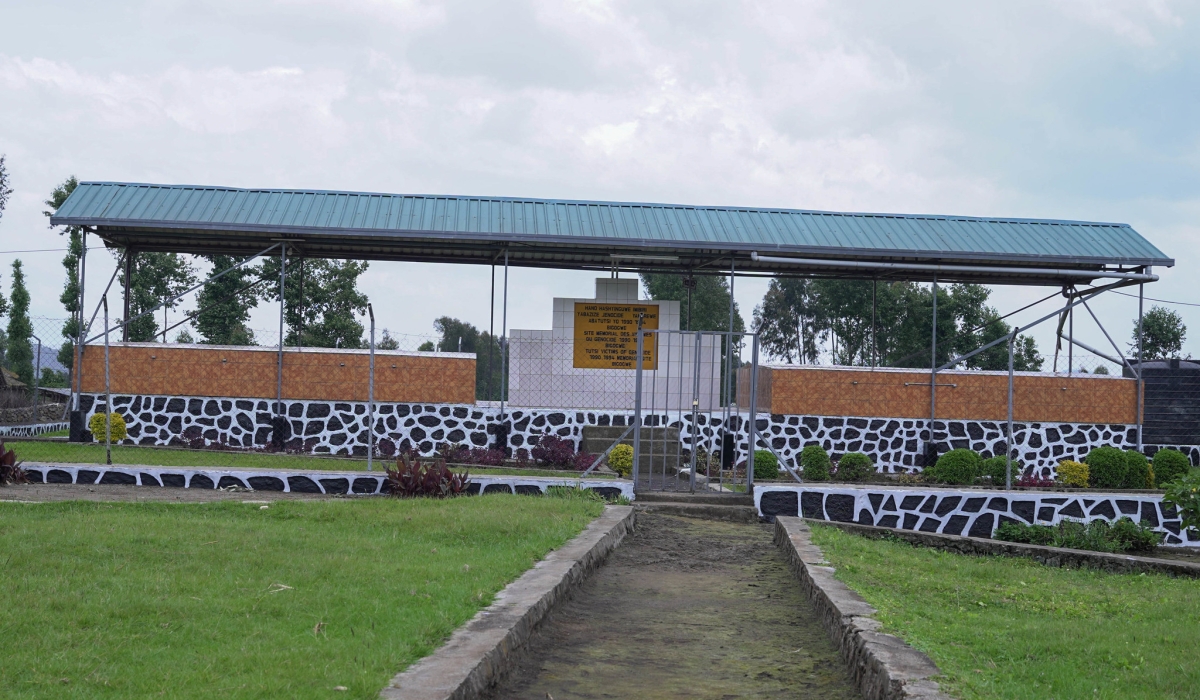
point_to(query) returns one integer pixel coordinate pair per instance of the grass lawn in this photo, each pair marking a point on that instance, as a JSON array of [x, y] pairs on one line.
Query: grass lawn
[[117, 600], [1011, 628], [33, 451]]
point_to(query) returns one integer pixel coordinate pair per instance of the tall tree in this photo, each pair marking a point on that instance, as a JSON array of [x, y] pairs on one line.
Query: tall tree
[[5, 187], [20, 329], [709, 310], [70, 262], [805, 319], [321, 300], [460, 336], [1163, 333], [154, 278], [224, 303]]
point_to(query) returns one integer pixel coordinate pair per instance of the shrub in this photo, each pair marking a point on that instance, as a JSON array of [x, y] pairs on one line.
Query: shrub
[[1106, 468], [620, 460], [1169, 465], [1097, 536], [959, 466], [553, 451], [1184, 493], [1033, 480], [766, 465], [1137, 470], [1072, 473], [10, 470], [116, 431], [582, 460], [854, 466], [996, 468], [814, 460], [412, 478]]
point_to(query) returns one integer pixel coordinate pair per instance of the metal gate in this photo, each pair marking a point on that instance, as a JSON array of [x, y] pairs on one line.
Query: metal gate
[[695, 411]]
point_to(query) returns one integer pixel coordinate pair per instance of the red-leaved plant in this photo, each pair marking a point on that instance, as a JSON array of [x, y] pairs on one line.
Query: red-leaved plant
[[431, 479], [1034, 480], [10, 470]]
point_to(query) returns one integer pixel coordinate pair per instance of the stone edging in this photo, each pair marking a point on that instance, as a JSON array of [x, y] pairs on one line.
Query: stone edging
[[478, 654], [1050, 556], [882, 666]]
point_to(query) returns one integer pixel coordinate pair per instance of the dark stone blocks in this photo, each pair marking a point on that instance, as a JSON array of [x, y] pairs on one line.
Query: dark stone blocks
[[365, 485], [840, 507], [200, 481], [528, 490], [266, 483], [983, 525], [497, 488], [811, 503], [773, 503], [955, 525], [113, 477]]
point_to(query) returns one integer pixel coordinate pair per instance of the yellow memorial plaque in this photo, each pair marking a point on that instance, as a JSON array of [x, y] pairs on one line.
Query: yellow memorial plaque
[[606, 335]]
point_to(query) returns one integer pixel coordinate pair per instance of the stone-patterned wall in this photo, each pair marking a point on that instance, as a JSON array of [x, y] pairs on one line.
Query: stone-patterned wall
[[341, 428], [32, 430], [975, 513]]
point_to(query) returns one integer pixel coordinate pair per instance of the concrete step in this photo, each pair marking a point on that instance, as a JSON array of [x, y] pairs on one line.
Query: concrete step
[[706, 497], [704, 511]]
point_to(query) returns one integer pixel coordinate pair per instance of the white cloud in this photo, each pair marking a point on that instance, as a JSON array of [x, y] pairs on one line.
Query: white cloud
[[1136, 21]]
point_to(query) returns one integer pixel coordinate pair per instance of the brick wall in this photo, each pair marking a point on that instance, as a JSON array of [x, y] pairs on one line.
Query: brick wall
[[961, 395], [308, 374]]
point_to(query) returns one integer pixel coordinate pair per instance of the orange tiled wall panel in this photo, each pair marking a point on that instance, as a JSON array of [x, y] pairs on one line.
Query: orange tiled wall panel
[[974, 396], [147, 368]]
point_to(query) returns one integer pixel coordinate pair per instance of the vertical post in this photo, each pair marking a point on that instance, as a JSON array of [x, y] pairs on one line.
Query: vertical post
[[77, 373], [690, 283], [1071, 340], [279, 361], [753, 414], [1140, 385], [107, 393], [127, 301], [729, 339], [1008, 445], [491, 366], [370, 396], [37, 380], [504, 356], [694, 431], [637, 407], [300, 331], [874, 345], [932, 449]]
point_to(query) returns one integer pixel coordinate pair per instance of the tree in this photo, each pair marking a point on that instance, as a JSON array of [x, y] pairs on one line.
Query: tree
[[70, 262], [224, 303], [456, 334], [20, 329], [709, 309], [1163, 333], [321, 300], [387, 342], [154, 278], [806, 319], [5, 188]]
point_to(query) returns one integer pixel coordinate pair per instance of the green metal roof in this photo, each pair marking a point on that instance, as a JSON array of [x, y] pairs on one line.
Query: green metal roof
[[587, 235]]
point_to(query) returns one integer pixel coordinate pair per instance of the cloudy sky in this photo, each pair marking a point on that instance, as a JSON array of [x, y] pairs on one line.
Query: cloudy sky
[[1068, 109]]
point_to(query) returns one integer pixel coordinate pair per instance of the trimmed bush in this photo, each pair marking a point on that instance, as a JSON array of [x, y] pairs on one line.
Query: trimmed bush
[[814, 460], [1071, 473], [1183, 492], [996, 467], [620, 460], [959, 466], [1169, 465], [1137, 470], [766, 465], [854, 466], [116, 431], [1106, 468], [1098, 536]]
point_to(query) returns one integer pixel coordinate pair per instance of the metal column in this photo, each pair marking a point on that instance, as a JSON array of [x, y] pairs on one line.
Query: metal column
[[1140, 385], [279, 362], [931, 449], [371, 397], [753, 429], [127, 301], [1008, 446], [695, 431], [77, 373], [107, 393], [637, 408]]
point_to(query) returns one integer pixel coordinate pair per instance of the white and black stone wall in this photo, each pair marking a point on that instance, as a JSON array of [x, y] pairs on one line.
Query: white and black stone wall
[[356, 483], [341, 428], [974, 513], [31, 430]]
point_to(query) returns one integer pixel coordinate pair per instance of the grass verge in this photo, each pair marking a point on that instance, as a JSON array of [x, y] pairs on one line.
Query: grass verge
[[1011, 628], [77, 453], [115, 600]]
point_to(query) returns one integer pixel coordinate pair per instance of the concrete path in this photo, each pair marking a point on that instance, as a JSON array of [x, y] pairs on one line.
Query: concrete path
[[684, 608]]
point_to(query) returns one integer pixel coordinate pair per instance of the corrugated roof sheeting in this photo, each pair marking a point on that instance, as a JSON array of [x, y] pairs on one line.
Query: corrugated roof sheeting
[[148, 210]]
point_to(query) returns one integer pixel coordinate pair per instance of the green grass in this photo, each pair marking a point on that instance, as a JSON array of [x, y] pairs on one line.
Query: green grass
[[107, 600], [1011, 628], [92, 453]]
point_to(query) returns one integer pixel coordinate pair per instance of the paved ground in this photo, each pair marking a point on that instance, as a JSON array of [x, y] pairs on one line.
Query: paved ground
[[684, 608], [112, 492]]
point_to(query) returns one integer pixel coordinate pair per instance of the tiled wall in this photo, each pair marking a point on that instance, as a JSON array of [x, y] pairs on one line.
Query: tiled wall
[[251, 372], [961, 395]]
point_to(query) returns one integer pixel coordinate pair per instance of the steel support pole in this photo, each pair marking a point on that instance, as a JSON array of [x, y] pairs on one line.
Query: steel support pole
[[694, 431], [107, 393], [78, 368], [874, 344], [1008, 446], [371, 397], [127, 302], [931, 449], [300, 330], [1140, 380], [753, 413], [637, 408], [504, 350], [37, 380], [491, 366], [1071, 342], [279, 360]]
